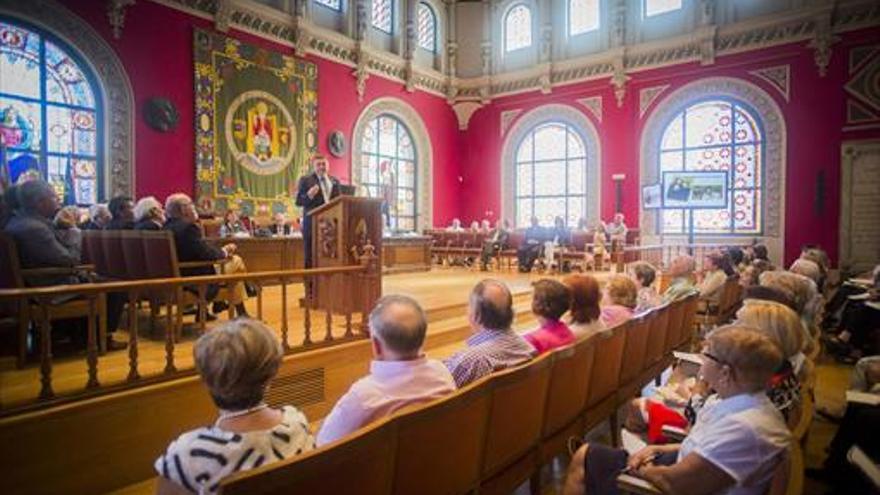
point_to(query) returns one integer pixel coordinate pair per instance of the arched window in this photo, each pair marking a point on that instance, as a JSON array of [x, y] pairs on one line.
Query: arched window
[[550, 177], [717, 134], [657, 7], [517, 28], [332, 4], [383, 13], [427, 28], [583, 16], [49, 114], [388, 169]]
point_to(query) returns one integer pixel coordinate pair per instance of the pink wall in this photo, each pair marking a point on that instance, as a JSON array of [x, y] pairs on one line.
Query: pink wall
[[814, 117], [156, 50]]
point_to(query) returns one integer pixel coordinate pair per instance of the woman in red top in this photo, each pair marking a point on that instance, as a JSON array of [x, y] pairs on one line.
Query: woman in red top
[[549, 302]]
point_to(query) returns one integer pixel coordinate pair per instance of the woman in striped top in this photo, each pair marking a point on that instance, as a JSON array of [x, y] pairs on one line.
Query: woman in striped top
[[236, 361]]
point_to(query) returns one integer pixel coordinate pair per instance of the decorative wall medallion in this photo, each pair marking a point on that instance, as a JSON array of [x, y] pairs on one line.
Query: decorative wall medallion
[[507, 117], [778, 77], [336, 143], [594, 105], [161, 114], [327, 237], [863, 86], [647, 97]]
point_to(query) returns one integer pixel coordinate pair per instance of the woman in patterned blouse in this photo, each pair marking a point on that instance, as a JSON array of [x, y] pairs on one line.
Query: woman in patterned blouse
[[236, 361]]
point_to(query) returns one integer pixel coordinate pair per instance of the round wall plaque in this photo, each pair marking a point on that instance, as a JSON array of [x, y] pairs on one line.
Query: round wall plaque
[[336, 143]]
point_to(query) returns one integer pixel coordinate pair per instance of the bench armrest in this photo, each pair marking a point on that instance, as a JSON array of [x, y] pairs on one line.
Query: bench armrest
[[628, 483]]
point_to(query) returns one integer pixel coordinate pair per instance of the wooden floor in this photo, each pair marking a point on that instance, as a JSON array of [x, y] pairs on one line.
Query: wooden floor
[[443, 293]]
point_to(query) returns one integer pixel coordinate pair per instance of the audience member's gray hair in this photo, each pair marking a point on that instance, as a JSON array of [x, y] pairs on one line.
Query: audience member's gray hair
[[174, 204], [236, 361], [30, 194], [492, 313], [96, 209], [753, 356], [144, 206], [807, 268], [404, 336], [683, 265]]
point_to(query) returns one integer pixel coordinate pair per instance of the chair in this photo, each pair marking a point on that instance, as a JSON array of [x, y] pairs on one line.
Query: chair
[[360, 463], [634, 354], [440, 445], [605, 376], [689, 314], [511, 450], [566, 401], [12, 276], [657, 355], [676, 331]]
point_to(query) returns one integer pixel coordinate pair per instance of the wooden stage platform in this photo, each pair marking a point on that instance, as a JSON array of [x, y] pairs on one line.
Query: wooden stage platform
[[443, 293]]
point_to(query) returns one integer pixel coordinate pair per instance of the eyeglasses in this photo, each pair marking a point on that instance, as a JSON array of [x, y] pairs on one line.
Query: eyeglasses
[[713, 357]]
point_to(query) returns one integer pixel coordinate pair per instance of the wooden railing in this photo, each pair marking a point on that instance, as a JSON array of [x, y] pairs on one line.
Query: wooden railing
[[41, 389], [660, 255]]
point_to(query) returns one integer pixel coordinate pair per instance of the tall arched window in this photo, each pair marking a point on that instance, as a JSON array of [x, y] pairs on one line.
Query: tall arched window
[[427, 28], [517, 28], [388, 169], [383, 13], [550, 177], [49, 114], [717, 134], [583, 16]]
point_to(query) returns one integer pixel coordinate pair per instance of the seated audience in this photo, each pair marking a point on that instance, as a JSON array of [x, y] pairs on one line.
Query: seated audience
[[751, 272], [737, 258], [807, 268], [759, 292], [148, 214], [400, 374], [99, 217], [817, 255], [533, 243], [191, 246], [584, 312], [232, 226], [475, 227], [494, 345], [617, 231], [600, 240], [68, 233], [620, 300], [715, 268], [734, 446], [800, 289], [279, 226], [550, 301], [39, 246], [122, 210], [858, 326], [496, 241], [759, 252], [236, 361], [643, 274], [559, 237], [682, 285], [485, 226]]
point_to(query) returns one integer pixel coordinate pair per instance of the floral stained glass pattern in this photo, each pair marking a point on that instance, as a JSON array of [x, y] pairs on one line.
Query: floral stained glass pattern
[[388, 169], [717, 135], [517, 28], [382, 15], [551, 171], [48, 115], [583, 16], [427, 28]]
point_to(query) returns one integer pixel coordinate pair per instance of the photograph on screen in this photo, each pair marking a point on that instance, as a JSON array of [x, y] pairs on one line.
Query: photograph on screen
[[652, 197], [694, 189]]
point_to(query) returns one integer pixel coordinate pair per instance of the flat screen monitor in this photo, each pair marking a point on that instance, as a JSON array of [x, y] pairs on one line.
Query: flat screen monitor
[[695, 189]]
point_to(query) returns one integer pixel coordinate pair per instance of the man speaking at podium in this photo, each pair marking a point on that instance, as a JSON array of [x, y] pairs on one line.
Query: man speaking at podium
[[314, 190]]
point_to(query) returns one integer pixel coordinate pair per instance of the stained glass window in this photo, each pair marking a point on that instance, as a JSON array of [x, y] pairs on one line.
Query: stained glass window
[[583, 16], [655, 7], [333, 4], [550, 175], [517, 28], [382, 15], [717, 135], [49, 115], [427, 28], [388, 169]]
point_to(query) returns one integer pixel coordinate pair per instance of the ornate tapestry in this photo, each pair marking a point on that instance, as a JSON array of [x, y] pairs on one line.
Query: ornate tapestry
[[255, 125]]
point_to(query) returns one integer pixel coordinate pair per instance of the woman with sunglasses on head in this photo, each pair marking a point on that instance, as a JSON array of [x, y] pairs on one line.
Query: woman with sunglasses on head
[[733, 448]]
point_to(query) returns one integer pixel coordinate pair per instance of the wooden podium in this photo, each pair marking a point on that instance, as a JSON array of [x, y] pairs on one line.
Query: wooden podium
[[347, 231]]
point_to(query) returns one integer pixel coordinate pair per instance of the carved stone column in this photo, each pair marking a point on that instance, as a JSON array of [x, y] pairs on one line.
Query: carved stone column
[[618, 27], [360, 73], [302, 10], [410, 42], [451, 52]]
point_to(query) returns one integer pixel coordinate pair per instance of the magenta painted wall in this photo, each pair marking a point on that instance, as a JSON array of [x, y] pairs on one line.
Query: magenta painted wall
[[156, 50], [814, 117]]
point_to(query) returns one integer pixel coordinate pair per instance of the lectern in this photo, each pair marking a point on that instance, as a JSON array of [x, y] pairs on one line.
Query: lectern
[[347, 231]]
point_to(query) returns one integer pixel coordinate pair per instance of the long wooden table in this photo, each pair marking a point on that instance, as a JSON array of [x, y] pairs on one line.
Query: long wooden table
[[399, 254]]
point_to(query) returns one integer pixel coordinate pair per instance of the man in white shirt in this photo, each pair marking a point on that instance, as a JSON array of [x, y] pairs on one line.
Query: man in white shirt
[[400, 374]]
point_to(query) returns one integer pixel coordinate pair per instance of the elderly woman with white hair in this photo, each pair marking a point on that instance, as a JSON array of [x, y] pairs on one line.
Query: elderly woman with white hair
[[236, 361], [735, 445], [799, 289], [682, 285], [148, 214], [99, 217]]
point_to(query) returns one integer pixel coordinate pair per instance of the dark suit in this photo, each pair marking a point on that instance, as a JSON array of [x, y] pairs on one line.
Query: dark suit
[[309, 204], [496, 241], [119, 225], [191, 246], [532, 247], [284, 230], [147, 224]]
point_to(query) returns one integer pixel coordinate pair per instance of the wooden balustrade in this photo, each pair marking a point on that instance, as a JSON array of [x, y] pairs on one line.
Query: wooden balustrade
[[660, 255], [172, 293]]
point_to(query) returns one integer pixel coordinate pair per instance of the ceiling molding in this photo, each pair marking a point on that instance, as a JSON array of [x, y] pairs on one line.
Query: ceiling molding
[[704, 44]]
